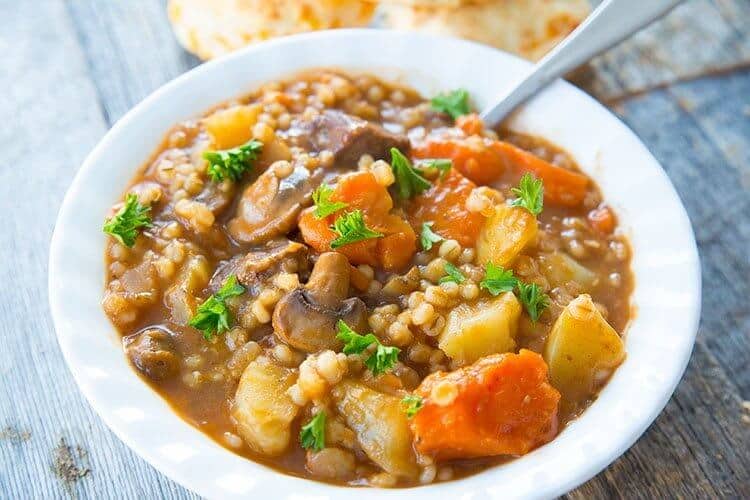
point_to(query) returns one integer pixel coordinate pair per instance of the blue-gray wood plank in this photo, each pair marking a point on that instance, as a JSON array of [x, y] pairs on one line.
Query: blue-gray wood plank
[[70, 68]]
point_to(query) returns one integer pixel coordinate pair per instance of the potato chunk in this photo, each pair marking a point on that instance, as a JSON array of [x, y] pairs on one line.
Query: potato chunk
[[505, 234], [262, 408], [582, 350], [481, 329], [381, 426], [231, 127], [560, 268]]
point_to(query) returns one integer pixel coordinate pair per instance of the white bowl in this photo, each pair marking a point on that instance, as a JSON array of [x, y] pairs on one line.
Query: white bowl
[[665, 262]]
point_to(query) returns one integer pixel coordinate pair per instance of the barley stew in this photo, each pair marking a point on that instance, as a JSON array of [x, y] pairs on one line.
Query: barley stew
[[344, 281]]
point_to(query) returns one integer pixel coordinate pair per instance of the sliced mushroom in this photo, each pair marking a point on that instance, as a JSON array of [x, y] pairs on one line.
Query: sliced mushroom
[[260, 264], [270, 205], [152, 351], [306, 317]]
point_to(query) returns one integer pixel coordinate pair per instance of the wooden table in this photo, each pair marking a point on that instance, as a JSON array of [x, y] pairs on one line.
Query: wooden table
[[69, 69]]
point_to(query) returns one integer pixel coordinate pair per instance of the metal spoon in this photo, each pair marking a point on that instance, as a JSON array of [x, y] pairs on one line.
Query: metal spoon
[[610, 23]]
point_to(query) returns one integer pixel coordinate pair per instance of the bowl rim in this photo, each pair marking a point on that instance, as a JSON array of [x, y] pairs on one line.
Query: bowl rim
[[61, 275]]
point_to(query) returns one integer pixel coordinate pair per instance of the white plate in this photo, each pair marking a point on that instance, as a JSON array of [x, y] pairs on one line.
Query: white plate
[[665, 262]]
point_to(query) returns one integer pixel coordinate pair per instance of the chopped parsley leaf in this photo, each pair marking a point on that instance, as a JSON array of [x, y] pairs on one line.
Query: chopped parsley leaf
[[213, 317], [428, 236], [454, 103], [380, 361], [412, 404], [498, 280], [354, 343], [232, 163], [409, 181], [125, 225], [534, 300], [442, 165], [351, 228], [313, 434], [530, 192], [323, 204], [454, 274]]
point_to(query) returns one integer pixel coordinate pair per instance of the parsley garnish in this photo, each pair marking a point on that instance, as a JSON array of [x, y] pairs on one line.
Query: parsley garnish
[[125, 224], [212, 316], [530, 192], [454, 274], [442, 165], [351, 228], [313, 434], [382, 360], [409, 180], [323, 204], [412, 404], [232, 163], [497, 280], [533, 299], [455, 103], [428, 236]]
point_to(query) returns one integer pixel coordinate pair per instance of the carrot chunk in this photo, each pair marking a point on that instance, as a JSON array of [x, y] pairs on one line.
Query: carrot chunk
[[361, 191], [471, 124], [602, 219], [472, 157], [502, 404], [444, 204]]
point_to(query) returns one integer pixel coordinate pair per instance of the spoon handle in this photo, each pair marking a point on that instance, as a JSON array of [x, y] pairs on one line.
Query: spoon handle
[[611, 22]]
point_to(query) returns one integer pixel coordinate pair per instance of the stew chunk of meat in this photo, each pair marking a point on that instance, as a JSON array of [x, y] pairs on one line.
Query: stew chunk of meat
[[152, 351], [349, 137]]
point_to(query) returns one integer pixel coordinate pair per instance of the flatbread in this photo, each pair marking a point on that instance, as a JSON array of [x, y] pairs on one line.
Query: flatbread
[[212, 28], [528, 28]]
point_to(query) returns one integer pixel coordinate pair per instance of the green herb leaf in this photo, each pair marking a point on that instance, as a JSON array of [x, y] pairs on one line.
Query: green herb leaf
[[232, 163], [455, 103], [409, 181], [428, 236], [354, 343], [313, 433], [127, 222], [454, 274], [412, 404], [380, 361], [442, 165], [530, 192], [533, 299], [498, 280], [351, 228], [323, 204], [213, 315], [383, 359]]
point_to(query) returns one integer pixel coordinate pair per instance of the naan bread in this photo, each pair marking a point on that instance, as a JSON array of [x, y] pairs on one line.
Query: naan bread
[[212, 28], [528, 28]]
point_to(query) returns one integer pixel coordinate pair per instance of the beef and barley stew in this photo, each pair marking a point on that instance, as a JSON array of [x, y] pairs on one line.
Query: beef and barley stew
[[342, 280]]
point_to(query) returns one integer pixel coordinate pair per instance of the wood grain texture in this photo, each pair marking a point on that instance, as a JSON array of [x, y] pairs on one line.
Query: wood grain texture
[[680, 85]]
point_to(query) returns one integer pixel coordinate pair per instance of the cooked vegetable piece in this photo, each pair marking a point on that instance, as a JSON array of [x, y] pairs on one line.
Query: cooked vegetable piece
[[412, 404], [126, 224], [428, 237], [561, 186], [560, 268], [444, 205], [213, 315], [582, 350], [323, 204], [530, 192], [409, 181], [232, 163], [471, 124], [313, 434], [362, 192], [498, 280], [381, 427], [180, 298], [351, 228], [480, 329], [473, 157], [602, 219], [501, 405], [232, 126], [454, 103], [262, 409], [534, 300], [505, 235], [453, 273]]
